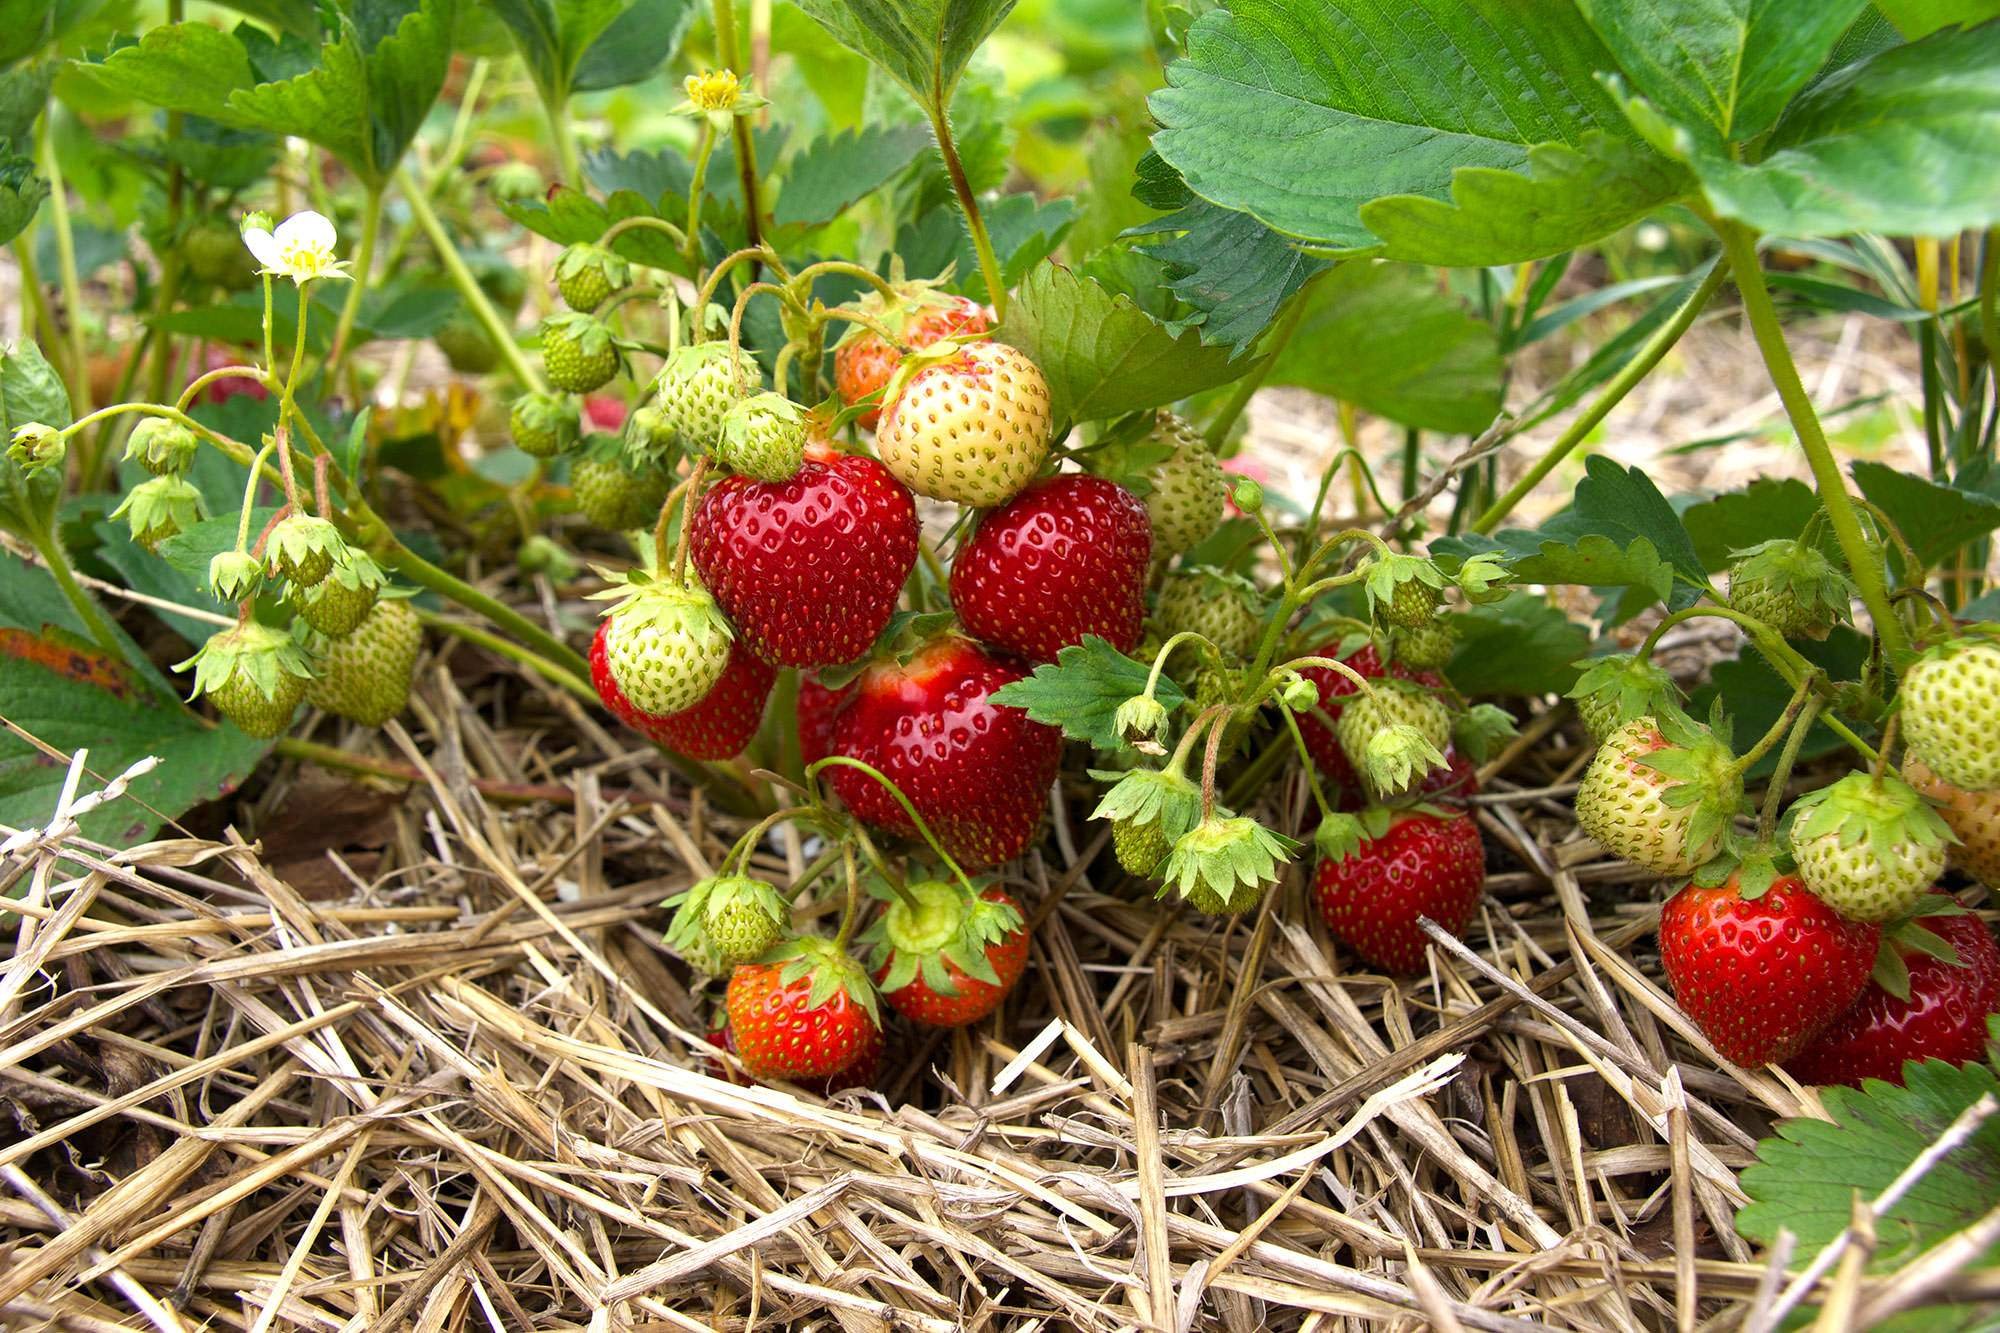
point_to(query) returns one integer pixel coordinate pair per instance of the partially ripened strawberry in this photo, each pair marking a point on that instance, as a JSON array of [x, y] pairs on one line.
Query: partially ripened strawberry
[[1951, 713], [818, 710], [809, 568], [1334, 689], [1762, 976], [863, 362], [1944, 1017], [945, 959], [1065, 558], [867, 1066], [1423, 865], [806, 1017], [718, 726], [978, 772], [611, 494], [1973, 815], [972, 427], [1628, 799]]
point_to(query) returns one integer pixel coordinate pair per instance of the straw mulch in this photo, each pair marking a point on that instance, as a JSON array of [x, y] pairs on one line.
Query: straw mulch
[[435, 1071]]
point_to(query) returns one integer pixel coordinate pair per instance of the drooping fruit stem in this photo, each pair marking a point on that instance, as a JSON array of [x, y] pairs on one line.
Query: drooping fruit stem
[[1777, 729], [364, 263], [895, 792], [1781, 776], [1863, 560]]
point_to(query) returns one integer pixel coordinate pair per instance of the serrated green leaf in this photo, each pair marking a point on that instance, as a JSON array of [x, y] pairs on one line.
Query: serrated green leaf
[[1024, 231], [1300, 114], [1727, 67], [1920, 18], [21, 194], [1101, 354], [634, 45], [189, 67], [1735, 520], [1935, 519], [922, 44], [553, 35], [1624, 505], [30, 391], [1561, 198], [1382, 336], [569, 216], [1807, 1175], [1080, 691], [835, 170]]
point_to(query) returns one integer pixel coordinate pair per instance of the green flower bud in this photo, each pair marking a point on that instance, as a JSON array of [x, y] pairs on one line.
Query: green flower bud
[[234, 575], [164, 448], [36, 446]]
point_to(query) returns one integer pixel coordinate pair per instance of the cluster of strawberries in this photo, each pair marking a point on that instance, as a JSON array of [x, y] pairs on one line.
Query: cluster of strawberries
[[1823, 943]]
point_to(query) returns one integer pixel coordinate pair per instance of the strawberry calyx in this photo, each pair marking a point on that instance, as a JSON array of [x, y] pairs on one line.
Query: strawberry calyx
[[740, 901], [256, 654], [932, 924], [944, 351], [908, 638], [1480, 731], [1791, 586], [1231, 857], [1402, 589], [1149, 797], [1908, 935], [1620, 688], [1703, 776], [828, 970], [1341, 835]]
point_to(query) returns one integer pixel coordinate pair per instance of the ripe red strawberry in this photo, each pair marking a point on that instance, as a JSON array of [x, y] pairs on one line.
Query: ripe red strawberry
[[818, 708], [718, 727], [863, 363], [807, 1017], [1321, 743], [809, 568], [977, 771], [1762, 976], [922, 953], [1064, 558], [971, 428], [1944, 1018], [867, 1066], [1424, 865]]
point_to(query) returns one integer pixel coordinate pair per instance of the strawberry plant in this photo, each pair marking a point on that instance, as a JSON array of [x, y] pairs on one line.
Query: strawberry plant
[[883, 459]]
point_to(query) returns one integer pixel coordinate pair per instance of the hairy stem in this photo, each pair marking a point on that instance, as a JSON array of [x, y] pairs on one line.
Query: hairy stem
[[975, 223]]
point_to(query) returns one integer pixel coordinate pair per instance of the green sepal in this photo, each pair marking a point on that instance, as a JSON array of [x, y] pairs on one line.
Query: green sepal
[[1862, 810], [1816, 593], [299, 544], [906, 633], [1891, 973], [1398, 755], [1149, 796], [1340, 835], [253, 651], [1483, 577], [831, 972], [1627, 687], [162, 446], [686, 607], [1385, 572], [159, 508], [1481, 731], [1228, 853]]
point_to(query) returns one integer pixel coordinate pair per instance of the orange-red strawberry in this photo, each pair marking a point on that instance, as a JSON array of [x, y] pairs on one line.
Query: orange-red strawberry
[[972, 427], [864, 363], [1423, 865], [810, 1016], [867, 1066], [818, 707], [809, 568], [1321, 743], [945, 959], [1762, 976], [978, 772], [1065, 558], [717, 727], [1944, 1017]]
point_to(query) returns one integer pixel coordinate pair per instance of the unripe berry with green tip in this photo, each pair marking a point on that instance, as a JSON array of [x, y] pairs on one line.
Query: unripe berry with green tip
[[254, 674], [667, 643], [611, 494], [698, 386], [214, 252], [578, 353], [1149, 810], [1185, 490], [763, 437], [587, 275], [164, 448], [1790, 586], [365, 676], [301, 549], [1220, 607], [544, 424], [339, 602], [468, 348], [1428, 647], [159, 508], [1868, 846]]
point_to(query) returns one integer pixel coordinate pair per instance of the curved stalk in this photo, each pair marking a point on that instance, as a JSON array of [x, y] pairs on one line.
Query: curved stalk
[[72, 286], [468, 287], [514, 652], [982, 244], [427, 575], [869, 770]]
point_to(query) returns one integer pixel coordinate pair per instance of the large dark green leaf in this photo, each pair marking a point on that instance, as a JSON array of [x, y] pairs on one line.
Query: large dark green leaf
[[1102, 354], [1024, 231], [1921, 18], [1300, 114], [836, 169], [553, 36], [1382, 336], [636, 44], [921, 44], [1899, 144], [1935, 519], [1724, 67], [1737, 520], [1520, 645]]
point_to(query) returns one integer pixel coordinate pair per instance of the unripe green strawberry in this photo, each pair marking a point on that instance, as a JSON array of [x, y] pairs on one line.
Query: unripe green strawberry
[[466, 345], [1629, 803], [613, 496], [1619, 687], [1371, 732], [301, 549], [159, 508], [234, 575], [1789, 586], [1185, 490], [586, 275], [1413, 604], [215, 253], [971, 426], [1148, 809], [1220, 607], [254, 674], [341, 600], [1403, 590], [365, 677], [164, 448], [1226, 863], [1870, 847], [743, 918], [1428, 647], [649, 438], [1140, 847], [698, 386], [577, 353], [1951, 713], [667, 643], [763, 437], [1973, 816], [544, 424]]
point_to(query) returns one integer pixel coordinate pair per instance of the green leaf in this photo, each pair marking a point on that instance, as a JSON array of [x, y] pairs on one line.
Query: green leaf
[[189, 67], [1921, 18], [1738, 520], [922, 44], [1807, 1176], [1935, 519], [1024, 231], [1300, 114], [406, 70], [1594, 560], [1727, 65], [23, 93], [1612, 355], [71, 695], [553, 35], [1899, 144], [835, 170], [1081, 690], [1562, 198], [299, 18], [1519, 645], [635, 44], [568, 216], [1382, 336], [30, 391], [1103, 355], [1755, 695], [25, 27], [21, 194]]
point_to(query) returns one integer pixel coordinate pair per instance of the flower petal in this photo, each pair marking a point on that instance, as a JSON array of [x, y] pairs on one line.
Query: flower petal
[[307, 231], [263, 245]]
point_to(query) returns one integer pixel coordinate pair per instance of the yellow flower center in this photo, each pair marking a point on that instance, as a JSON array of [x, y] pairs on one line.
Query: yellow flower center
[[712, 90]]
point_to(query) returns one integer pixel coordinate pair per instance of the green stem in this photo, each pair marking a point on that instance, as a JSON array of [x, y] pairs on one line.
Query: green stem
[[1778, 729], [72, 286], [468, 286], [38, 302], [1774, 795], [691, 236], [1640, 366], [989, 263], [1989, 310], [48, 545], [861, 766], [1863, 560], [568, 161], [250, 494], [514, 652], [1306, 762], [364, 264], [427, 575], [1246, 388]]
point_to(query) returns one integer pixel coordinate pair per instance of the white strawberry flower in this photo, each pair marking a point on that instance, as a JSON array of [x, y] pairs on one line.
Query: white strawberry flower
[[300, 249]]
